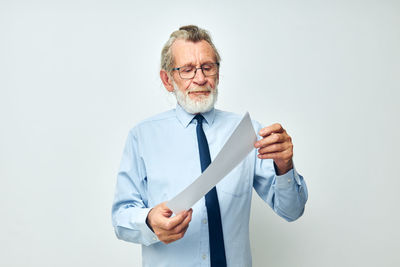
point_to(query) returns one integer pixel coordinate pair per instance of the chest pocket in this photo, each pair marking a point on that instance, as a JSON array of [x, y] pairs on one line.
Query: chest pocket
[[237, 182]]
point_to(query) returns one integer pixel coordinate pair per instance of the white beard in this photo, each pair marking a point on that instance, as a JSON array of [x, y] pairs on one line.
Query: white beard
[[201, 104]]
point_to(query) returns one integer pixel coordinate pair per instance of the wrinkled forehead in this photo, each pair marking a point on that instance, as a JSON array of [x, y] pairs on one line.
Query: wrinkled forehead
[[192, 53]]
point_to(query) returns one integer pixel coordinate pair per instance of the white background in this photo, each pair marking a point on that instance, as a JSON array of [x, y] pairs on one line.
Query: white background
[[75, 76]]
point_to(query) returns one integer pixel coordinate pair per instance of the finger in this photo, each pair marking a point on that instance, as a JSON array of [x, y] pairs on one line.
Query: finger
[[179, 231], [167, 213], [168, 237], [279, 147], [170, 223], [274, 128], [162, 210], [173, 238], [276, 155], [176, 236], [165, 208], [271, 139], [184, 225], [159, 215], [180, 228]]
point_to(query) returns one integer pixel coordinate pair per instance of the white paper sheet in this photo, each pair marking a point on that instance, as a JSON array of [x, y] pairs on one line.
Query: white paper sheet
[[232, 153]]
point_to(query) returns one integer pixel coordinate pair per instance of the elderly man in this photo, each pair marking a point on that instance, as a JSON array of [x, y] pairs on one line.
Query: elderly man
[[167, 152]]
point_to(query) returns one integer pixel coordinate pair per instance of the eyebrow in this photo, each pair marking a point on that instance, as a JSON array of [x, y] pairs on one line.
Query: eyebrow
[[193, 65]]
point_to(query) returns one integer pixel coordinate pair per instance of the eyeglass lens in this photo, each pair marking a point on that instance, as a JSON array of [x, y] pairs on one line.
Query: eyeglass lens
[[189, 72]]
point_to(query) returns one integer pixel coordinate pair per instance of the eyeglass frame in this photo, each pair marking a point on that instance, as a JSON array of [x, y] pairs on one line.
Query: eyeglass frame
[[195, 71]]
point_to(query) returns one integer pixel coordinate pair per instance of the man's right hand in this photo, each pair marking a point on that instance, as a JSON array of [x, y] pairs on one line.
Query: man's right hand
[[166, 228]]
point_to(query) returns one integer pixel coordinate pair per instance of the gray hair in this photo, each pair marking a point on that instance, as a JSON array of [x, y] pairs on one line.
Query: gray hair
[[189, 33]]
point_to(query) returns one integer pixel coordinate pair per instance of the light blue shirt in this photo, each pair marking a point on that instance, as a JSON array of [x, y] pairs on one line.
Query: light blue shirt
[[161, 158]]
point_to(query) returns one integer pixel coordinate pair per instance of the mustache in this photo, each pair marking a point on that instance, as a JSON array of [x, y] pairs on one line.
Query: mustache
[[200, 89]]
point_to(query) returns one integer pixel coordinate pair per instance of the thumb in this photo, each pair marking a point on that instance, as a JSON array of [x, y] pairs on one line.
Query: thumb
[[165, 211]]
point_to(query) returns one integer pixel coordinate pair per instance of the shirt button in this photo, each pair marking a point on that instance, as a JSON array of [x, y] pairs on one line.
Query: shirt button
[[154, 238], [204, 256], [205, 221], [289, 180]]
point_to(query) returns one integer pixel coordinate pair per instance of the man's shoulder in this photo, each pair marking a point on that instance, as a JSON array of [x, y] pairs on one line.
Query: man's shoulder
[[154, 120], [166, 115], [227, 115]]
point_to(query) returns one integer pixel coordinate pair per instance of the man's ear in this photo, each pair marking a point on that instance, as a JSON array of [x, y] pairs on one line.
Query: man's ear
[[166, 80]]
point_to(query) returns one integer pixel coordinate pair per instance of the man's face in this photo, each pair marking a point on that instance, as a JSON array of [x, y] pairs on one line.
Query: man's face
[[199, 93]]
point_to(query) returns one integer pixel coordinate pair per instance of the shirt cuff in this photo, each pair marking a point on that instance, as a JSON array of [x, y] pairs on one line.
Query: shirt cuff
[[149, 237], [286, 180]]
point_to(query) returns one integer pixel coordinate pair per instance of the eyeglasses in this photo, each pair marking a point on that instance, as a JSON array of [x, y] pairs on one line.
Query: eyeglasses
[[188, 72]]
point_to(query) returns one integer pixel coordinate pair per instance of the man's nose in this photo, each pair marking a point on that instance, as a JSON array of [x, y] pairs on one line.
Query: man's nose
[[199, 77]]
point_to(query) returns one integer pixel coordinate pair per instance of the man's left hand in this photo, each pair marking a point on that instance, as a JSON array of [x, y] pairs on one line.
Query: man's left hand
[[276, 144]]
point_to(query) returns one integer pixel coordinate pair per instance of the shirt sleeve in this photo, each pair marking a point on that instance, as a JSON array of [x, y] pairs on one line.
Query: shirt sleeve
[[286, 194], [130, 209]]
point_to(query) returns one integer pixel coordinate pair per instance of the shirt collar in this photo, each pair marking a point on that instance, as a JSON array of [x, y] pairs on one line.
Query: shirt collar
[[185, 118]]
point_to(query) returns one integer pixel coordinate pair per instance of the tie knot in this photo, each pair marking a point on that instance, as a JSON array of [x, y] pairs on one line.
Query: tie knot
[[199, 118]]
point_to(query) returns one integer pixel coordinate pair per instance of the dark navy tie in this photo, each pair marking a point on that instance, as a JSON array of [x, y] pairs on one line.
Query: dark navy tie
[[216, 237]]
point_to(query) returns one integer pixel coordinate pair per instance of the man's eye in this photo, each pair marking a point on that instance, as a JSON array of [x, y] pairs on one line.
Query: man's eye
[[207, 67], [187, 69]]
